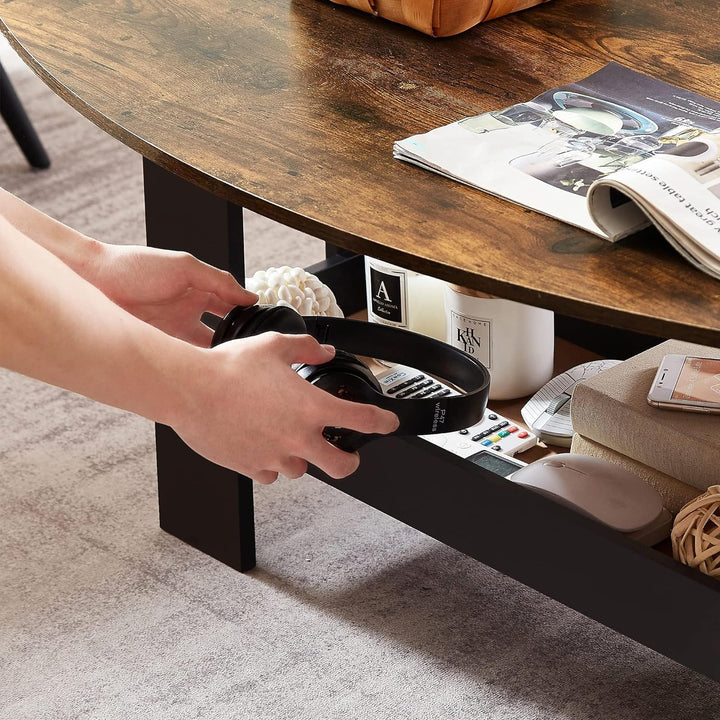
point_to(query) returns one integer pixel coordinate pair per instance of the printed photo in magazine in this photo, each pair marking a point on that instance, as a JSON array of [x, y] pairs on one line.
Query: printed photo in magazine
[[609, 154]]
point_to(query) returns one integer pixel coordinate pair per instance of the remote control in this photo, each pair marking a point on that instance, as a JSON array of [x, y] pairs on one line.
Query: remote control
[[494, 432]]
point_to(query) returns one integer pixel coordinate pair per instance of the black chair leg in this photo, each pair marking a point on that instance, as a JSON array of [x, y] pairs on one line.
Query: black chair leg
[[17, 120]]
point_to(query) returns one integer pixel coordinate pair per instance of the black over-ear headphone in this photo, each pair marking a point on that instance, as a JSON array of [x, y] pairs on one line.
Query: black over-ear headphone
[[347, 377]]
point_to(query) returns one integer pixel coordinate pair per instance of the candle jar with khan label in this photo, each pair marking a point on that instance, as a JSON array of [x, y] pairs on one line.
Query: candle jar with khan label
[[515, 342]]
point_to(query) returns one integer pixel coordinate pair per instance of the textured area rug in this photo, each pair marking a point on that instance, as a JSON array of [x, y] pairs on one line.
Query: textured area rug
[[349, 614]]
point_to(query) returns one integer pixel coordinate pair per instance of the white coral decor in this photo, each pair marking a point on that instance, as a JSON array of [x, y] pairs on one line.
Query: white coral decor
[[295, 288]]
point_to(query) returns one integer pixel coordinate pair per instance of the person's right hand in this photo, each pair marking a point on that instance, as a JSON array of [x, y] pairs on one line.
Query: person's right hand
[[245, 408], [240, 404]]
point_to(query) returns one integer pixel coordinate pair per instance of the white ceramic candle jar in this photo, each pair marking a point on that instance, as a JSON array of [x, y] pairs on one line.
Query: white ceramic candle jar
[[514, 341], [405, 299]]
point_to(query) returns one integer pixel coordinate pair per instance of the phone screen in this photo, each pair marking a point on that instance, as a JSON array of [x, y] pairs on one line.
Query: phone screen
[[699, 380]]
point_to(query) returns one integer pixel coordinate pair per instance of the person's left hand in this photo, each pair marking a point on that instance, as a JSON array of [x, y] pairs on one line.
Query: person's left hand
[[170, 290]]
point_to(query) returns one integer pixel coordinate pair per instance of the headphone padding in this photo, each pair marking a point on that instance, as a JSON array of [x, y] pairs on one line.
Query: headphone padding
[[329, 374], [242, 322]]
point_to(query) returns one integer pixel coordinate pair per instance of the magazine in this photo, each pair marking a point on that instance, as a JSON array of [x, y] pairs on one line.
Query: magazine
[[610, 154]]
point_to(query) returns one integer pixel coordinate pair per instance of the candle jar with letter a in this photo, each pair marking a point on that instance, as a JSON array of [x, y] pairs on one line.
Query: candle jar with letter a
[[405, 299]]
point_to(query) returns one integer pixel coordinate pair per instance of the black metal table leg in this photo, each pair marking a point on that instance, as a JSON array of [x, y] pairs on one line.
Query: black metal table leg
[[20, 126], [205, 505]]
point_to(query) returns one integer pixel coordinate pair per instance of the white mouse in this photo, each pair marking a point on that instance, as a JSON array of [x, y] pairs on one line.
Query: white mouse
[[594, 487], [547, 412]]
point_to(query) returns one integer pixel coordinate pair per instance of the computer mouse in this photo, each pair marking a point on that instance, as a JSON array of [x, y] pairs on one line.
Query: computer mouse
[[594, 487], [547, 413]]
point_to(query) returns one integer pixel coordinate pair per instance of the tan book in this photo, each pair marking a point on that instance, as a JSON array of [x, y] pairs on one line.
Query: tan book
[[674, 493], [612, 410]]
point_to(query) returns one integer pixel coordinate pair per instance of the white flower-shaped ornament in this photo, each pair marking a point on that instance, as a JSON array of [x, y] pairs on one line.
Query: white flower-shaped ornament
[[295, 288]]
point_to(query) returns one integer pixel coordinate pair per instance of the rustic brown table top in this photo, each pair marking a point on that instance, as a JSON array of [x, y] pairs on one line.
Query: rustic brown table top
[[290, 108]]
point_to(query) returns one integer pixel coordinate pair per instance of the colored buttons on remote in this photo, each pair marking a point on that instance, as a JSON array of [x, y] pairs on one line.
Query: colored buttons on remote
[[500, 436]]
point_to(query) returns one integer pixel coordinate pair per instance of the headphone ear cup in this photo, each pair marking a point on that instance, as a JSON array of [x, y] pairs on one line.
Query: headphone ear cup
[[344, 376], [348, 378], [242, 322]]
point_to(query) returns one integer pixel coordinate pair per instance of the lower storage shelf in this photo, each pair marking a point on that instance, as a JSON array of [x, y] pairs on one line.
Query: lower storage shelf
[[636, 590]]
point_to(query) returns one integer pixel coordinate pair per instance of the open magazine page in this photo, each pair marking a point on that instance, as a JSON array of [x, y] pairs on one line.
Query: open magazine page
[[496, 162], [547, 152], [678, 191]]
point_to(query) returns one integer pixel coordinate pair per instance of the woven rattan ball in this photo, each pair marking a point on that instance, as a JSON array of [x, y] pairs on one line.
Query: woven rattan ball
[[696, 533]]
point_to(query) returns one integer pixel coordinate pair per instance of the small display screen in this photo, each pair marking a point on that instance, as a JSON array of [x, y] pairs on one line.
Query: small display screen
[[699, 380], [495, 463]]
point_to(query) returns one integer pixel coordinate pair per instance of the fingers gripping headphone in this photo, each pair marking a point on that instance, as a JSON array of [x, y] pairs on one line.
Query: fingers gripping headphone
[[347, 377]]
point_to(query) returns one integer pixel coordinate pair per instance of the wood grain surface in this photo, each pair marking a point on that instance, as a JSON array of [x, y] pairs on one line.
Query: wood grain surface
[[290, 108]]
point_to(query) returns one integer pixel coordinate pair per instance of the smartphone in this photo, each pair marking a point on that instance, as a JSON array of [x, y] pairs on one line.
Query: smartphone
[[684, 382]]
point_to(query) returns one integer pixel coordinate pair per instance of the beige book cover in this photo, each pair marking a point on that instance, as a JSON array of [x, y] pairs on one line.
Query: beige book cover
[[612, 409]]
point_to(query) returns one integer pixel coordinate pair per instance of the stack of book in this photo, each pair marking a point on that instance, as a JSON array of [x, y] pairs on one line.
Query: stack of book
[[674, 451]]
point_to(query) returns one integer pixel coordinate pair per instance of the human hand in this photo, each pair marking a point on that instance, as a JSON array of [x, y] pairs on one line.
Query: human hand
[[170, 290], [240, 404], [246, 409]]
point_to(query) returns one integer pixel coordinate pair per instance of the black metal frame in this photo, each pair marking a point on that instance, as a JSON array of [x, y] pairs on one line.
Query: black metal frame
[[638, 591], [16, 118]]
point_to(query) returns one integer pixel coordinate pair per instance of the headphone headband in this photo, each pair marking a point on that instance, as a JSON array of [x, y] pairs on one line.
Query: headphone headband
[[424, 416], [417, 416]]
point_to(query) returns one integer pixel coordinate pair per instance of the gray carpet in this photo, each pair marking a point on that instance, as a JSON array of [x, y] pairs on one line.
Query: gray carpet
[[349, 614]]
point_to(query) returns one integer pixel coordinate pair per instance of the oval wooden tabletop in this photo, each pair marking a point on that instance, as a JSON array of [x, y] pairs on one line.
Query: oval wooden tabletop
[[290, 108]]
